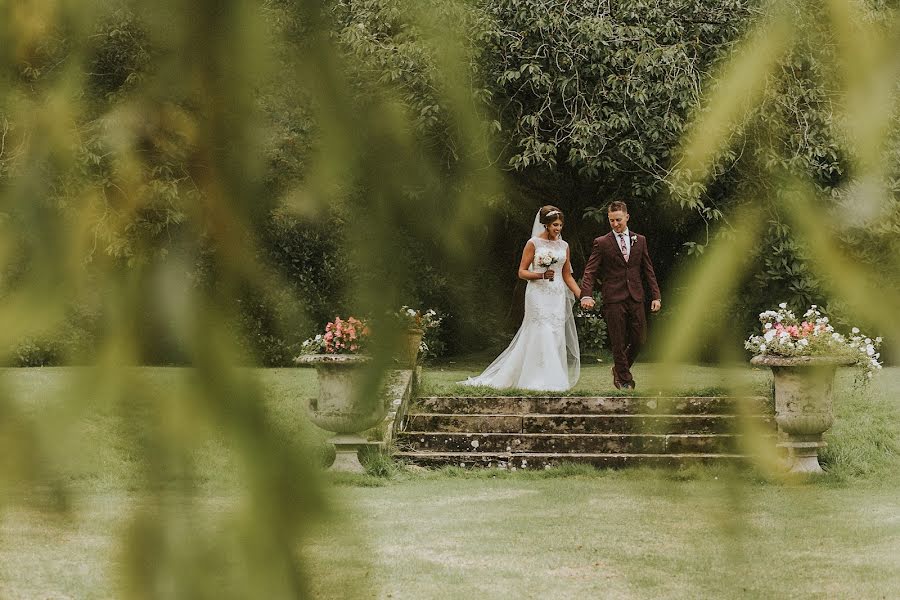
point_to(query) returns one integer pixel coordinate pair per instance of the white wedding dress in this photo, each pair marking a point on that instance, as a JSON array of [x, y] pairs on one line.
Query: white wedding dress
[[544, 354]]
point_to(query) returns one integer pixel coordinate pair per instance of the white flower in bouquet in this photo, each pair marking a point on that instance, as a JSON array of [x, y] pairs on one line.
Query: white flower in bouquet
[[545, 259]]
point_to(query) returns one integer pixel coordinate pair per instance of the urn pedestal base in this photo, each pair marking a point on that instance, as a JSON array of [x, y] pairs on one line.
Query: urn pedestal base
[[803, 457], [347, 447]]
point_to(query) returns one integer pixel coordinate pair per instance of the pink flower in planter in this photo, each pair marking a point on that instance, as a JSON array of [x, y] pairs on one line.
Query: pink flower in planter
[[342, 336]]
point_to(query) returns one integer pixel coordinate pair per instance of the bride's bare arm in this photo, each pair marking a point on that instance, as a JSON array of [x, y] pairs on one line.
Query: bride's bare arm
[[527, 259], [567, 276]]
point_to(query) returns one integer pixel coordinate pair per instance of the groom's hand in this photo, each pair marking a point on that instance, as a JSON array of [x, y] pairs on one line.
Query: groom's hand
[[587, 303], [655, 305]]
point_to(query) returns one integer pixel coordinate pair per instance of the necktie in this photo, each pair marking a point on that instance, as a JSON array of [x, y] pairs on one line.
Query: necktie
[[623, 245]]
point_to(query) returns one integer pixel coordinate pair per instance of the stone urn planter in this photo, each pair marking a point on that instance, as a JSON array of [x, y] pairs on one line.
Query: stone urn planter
[[803, 405], [408, 352], [342, 405]]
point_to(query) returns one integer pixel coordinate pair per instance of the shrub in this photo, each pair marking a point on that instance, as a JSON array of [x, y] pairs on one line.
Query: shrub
[[591, 329], [37, 352]]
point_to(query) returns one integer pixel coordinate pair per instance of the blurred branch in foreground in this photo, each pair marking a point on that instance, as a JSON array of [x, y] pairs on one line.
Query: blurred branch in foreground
[[139, 147]]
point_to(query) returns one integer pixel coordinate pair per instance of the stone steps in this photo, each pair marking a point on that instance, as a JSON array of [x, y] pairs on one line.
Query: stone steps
[[575, 423], [617, 431], [538, 460], [572, 442], [512, 405]]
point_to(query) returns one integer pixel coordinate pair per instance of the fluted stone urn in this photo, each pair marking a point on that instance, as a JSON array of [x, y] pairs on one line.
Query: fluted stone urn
[[408, 352], [804, 407], [343, 406]]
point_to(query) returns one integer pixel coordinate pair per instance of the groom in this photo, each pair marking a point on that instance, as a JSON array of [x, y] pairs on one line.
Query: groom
[[621, 262]]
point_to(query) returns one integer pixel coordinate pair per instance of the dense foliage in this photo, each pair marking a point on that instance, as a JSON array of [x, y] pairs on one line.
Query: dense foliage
[[603, 91]]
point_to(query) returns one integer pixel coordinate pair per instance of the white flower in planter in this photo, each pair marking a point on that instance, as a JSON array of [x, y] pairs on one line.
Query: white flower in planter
[[783, 334]]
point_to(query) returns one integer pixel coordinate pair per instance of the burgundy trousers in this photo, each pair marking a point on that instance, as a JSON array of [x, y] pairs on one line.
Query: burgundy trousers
[[626, 325]]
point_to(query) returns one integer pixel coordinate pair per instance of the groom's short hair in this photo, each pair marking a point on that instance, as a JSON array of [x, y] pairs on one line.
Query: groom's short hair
[[617, 205]]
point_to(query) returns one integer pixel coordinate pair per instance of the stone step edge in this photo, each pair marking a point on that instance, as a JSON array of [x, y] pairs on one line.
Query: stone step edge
[[585, 435], [701, 401], [591, 397], [594, 415], [532, 460], [506, 455]]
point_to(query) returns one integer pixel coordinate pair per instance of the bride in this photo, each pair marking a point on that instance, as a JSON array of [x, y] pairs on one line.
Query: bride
[[544, 353]]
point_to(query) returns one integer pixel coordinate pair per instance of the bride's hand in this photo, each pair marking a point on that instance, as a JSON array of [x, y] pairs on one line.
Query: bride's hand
[[549, 274]]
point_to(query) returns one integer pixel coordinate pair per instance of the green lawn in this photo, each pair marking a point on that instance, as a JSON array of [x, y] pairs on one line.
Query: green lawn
[[637, 535], [566, 533]]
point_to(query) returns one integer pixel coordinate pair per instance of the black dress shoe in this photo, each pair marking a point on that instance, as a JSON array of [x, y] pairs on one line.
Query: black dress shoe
[[628, 385], [616, 383]]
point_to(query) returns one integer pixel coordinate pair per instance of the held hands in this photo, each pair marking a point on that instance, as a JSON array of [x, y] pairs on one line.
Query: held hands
[[549, 274], [588, 304]]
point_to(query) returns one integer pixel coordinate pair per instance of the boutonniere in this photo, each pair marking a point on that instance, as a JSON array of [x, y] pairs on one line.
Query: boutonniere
[[633, 238]]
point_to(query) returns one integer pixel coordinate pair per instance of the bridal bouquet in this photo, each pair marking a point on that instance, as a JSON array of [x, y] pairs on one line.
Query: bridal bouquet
[[545, 259], [341, 337], [783, 334]]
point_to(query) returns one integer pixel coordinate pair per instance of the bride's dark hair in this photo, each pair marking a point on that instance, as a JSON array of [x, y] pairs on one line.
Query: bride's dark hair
[[550, 213]]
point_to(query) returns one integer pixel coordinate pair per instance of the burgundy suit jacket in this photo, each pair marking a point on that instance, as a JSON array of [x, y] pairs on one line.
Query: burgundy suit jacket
[[619, 280]]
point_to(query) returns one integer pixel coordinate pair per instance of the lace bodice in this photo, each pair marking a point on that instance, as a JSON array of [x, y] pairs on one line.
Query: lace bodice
[[545, 298], [545, 251]]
